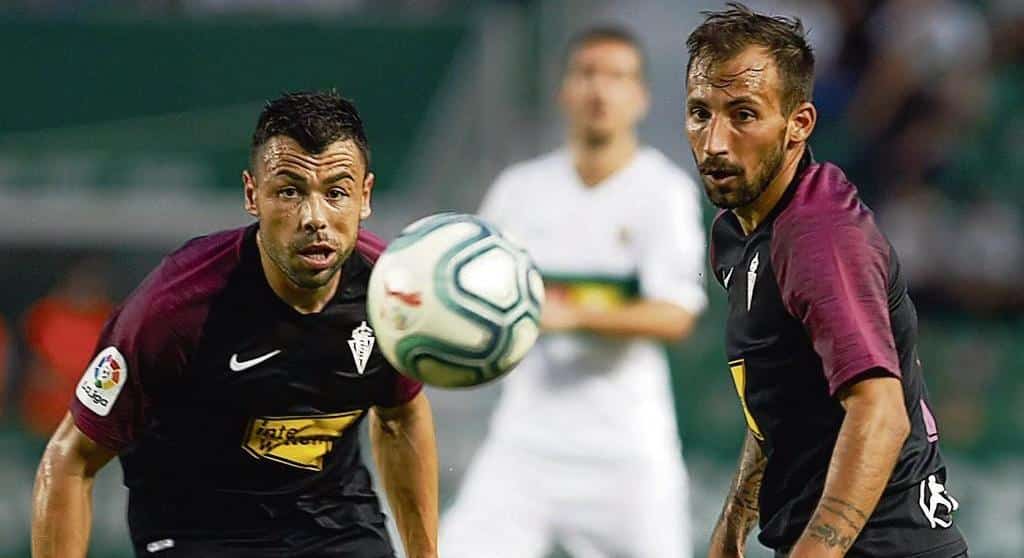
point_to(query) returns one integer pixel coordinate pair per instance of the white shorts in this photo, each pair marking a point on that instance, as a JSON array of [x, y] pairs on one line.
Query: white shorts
[[517, 504]]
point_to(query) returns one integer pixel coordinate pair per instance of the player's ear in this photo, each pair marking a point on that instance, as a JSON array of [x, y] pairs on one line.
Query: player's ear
[[368, 182], [249, 189], [801, 122]]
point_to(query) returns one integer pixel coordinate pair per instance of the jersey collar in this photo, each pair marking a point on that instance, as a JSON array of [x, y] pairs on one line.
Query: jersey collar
[[806, 160]]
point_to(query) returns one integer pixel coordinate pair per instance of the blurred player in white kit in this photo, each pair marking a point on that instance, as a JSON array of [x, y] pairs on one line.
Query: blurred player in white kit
[[583, 449]]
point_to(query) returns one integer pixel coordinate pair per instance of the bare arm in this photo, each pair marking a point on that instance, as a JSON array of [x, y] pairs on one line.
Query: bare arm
[[870, 440], [739, 515], [642, 318], [406, 456], [62, 498]]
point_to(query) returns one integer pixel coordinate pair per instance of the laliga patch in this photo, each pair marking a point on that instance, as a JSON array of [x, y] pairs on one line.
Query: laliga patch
[[103, 381]]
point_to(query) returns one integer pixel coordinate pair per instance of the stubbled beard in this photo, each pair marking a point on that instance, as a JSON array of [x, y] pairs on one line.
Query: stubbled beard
[[745, 191], [280, 257]]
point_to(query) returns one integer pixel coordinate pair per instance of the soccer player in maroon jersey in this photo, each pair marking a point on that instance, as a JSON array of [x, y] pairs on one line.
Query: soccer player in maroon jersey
[[232, 383], [841, 455]]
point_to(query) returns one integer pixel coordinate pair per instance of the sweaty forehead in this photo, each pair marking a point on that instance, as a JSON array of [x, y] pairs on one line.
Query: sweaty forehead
[[750, 73], [282, 152]]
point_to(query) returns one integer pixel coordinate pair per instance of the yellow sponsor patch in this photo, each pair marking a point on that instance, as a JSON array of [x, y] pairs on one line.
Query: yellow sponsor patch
[[596, 295], [739, 377], [595, 292], [301, 441]]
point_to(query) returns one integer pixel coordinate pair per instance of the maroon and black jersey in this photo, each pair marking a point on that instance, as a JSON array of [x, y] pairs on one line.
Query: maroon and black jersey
[[817, 302], [235, 417]]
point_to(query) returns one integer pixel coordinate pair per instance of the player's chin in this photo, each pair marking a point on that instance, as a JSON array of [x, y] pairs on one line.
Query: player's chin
[[598, 133], [315, 272], [724, 198]]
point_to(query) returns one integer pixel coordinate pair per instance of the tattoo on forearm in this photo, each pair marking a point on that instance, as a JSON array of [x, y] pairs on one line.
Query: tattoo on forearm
[[740, 512], [749, 489], [833, 535], [742, 505], [837, 512], [828, 535], [846, 505]]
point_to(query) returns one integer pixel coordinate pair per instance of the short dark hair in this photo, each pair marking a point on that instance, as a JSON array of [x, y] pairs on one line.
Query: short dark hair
[[726, 33], [607, 33], [315, 119]]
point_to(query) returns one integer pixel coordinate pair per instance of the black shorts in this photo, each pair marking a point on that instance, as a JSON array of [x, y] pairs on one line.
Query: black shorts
[[299, 547]]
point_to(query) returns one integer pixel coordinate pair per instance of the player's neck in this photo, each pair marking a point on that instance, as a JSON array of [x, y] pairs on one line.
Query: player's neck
[[754, 213], [595, 162], [303, 301]]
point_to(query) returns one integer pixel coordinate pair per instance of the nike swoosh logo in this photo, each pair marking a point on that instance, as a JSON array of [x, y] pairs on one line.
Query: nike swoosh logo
[[239, 365]]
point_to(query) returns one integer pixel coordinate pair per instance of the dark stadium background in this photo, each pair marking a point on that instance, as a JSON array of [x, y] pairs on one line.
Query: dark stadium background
[[124, 127]]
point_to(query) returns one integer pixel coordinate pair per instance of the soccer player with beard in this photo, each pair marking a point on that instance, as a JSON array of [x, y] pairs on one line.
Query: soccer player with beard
[[841, 455], [233, 381]]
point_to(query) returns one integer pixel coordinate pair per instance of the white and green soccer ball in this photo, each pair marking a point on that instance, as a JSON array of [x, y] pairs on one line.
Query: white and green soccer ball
[[454, 302]]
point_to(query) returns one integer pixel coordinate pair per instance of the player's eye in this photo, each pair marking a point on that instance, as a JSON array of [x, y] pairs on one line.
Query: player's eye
[[288, 193], [699, 113], [746, 115], [336, 194]]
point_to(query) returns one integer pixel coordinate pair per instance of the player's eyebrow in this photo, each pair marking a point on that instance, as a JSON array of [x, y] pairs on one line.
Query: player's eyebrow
[[339, 176], [290, 174], [743, 100]]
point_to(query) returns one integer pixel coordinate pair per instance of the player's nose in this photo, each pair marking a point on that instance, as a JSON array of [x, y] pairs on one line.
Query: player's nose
[[716, 139], [312, 214]]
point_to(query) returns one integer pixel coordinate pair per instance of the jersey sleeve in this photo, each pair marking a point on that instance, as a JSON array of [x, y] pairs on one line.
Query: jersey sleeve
[[401, 389], [370, 245], [136, 349], [671, 266], [832, 269]]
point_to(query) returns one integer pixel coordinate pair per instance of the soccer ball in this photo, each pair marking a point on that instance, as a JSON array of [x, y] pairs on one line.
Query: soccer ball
[[453, 302]]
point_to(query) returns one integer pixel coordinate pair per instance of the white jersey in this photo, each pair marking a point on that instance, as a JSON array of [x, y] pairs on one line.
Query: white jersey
[[637, 234]]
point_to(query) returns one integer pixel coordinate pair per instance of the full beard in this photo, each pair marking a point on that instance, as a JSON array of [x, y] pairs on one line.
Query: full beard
[[745, 192], [283, 257]]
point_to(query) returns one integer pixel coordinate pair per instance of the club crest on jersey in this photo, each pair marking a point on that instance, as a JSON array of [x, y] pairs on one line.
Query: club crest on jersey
[[102, 381], [752, 278], [361, 345]]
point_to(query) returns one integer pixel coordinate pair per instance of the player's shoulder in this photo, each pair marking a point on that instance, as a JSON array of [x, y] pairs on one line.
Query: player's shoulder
[[187, 277], [370, 246], [207, 251], [658, 182], [825, 209], [823, 198], [523, 173]]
